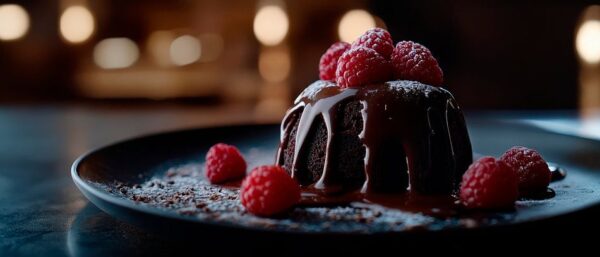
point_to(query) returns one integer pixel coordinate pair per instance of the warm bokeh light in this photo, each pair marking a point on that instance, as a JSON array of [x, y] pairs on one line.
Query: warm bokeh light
[[76, 24], [274, 64], [587, 41], [272, 108], [185, 50], [212, 47], [271, 25], [589, 101], [14, 22], [354, 23], [116, 53], [158, 45], [589, 89]]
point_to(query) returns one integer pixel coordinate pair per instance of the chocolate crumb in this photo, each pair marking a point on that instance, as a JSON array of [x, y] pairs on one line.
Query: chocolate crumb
[[187, 212], [184, 190], [469, 223], [171, 173], [141, 198]]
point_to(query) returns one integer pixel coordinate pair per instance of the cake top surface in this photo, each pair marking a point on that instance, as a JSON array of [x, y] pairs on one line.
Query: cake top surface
[[406, 89], [313, 89]]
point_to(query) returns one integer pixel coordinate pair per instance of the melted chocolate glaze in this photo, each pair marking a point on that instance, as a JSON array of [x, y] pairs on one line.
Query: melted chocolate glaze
[[538, 195], [414, 138]]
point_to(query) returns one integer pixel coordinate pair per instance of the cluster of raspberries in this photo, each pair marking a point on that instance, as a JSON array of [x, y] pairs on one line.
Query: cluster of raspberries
[[491, 183], [373, 58]]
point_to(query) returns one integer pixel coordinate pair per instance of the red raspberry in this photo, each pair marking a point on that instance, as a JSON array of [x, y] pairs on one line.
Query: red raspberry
[[224, 162], [269, 190], [489, 184], [360, 66], [377, 39], [413, 61], [329, 60], [534, 174]]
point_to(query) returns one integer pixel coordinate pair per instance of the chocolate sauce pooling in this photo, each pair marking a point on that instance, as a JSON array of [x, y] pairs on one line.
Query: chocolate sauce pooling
[[558, 173], [414, 137]]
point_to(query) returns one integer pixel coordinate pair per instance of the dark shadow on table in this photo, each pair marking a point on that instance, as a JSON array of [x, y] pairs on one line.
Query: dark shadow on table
[[95, 233]]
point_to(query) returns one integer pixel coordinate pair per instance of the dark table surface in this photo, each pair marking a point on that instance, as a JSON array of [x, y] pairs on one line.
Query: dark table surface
[[43, 214]]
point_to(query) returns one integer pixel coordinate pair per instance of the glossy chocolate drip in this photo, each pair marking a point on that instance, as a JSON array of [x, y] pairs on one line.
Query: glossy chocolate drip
[[413, 120], [411, 133], [538, 195], [329, 96], [558, 173]]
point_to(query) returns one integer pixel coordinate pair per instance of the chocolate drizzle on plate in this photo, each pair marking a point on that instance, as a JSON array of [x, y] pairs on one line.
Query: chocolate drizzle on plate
[[558, 173]]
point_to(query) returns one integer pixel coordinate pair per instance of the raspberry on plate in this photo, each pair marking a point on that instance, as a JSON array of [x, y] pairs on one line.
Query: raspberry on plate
[[360, 66], [377, 39], [489, 184], [269, 190], [329, 60], [224, 162], [532, 169], [413, 61]]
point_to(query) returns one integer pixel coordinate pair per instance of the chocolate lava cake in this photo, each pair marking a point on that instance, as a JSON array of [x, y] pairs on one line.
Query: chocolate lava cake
[[381, 138]]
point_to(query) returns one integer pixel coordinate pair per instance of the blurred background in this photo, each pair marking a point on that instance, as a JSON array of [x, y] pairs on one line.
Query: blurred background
[[253, 57]]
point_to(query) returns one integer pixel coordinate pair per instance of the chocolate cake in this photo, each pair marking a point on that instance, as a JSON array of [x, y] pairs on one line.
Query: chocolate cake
[[387, 137]]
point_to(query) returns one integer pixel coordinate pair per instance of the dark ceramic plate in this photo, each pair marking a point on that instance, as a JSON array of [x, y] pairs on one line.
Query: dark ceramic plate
[[139, 160]]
